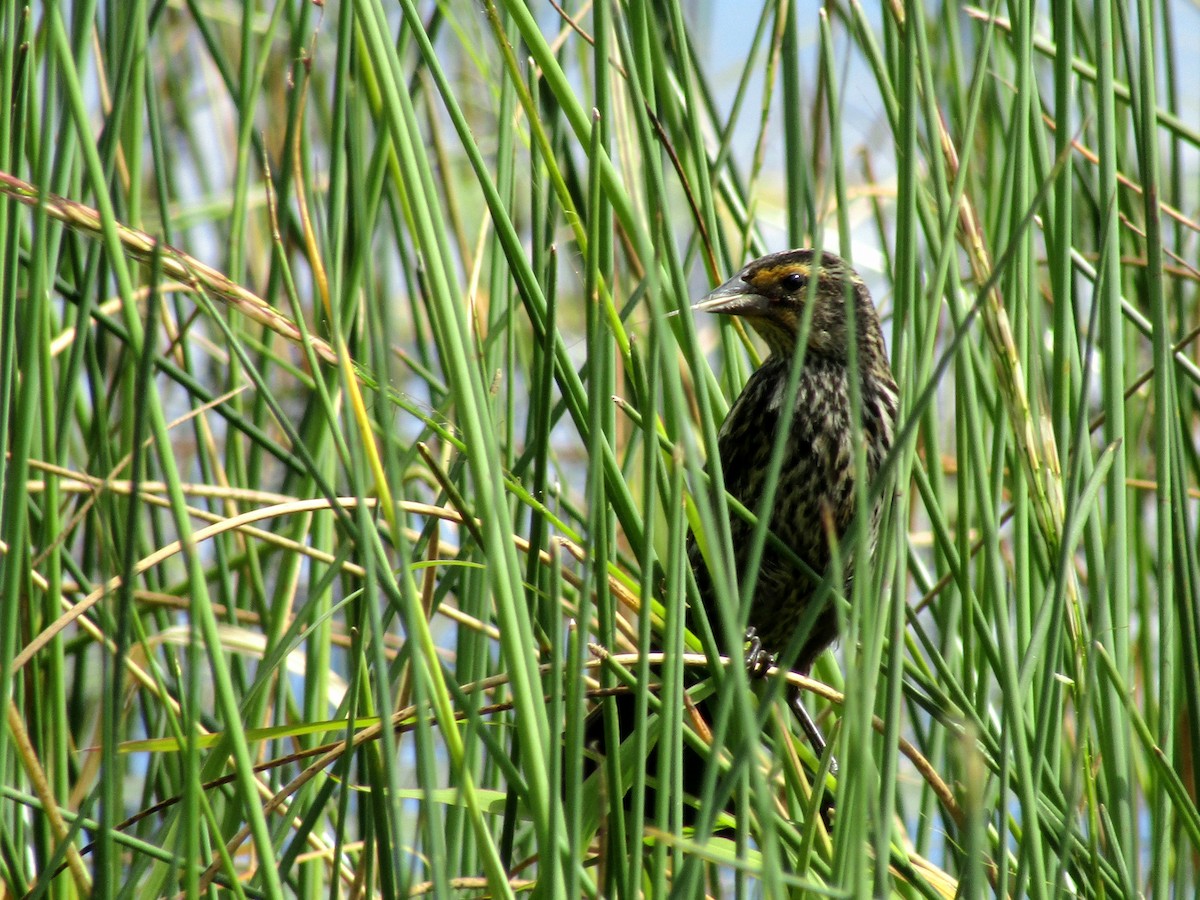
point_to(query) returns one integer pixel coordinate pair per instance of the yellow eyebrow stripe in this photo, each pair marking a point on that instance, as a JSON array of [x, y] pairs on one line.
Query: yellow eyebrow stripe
[[771, 273]]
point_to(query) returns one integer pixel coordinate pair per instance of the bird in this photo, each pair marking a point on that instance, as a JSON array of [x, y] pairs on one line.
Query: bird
[[815, 496]]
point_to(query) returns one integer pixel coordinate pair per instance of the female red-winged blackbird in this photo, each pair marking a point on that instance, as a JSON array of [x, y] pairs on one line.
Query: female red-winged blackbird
[[815, 494], [816, 490]]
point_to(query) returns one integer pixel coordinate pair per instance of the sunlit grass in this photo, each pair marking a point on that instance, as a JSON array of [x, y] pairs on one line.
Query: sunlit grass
[[355, 417]]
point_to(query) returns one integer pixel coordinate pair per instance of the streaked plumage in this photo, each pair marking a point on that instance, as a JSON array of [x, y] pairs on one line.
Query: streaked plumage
[[817, 478], [818, 474]]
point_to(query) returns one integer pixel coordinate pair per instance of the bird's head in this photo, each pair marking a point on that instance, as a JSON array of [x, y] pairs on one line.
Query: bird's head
[[771, 293]]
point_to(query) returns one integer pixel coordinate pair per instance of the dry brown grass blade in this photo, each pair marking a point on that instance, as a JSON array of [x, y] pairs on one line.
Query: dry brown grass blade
[[176, 264]]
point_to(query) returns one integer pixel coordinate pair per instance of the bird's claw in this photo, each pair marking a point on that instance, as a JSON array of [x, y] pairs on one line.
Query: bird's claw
[[758, 660]]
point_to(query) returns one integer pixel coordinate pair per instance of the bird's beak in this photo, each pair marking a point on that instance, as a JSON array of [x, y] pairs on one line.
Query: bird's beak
[[734, 298]]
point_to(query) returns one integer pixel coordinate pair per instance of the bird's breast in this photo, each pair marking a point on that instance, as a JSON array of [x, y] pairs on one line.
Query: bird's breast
[[816, 487]]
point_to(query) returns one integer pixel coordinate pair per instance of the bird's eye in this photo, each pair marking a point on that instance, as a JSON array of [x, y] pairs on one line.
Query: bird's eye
[[793, 281]]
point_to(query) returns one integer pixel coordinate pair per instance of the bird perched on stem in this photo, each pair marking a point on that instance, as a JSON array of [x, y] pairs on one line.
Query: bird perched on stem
[[815, 494]]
